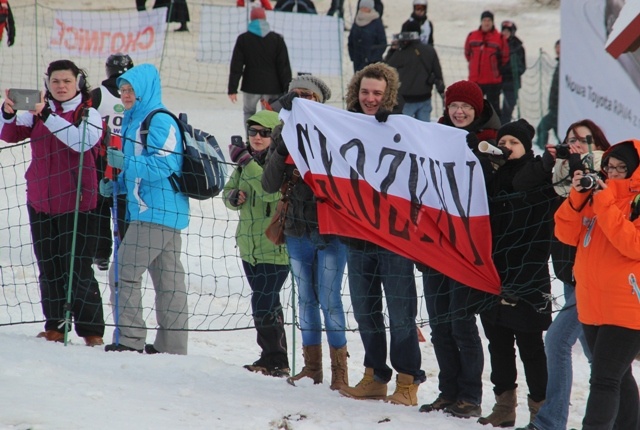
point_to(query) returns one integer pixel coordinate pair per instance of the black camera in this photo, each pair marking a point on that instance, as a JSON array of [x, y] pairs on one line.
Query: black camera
[[562, 151], [589, 181], [237, 141]]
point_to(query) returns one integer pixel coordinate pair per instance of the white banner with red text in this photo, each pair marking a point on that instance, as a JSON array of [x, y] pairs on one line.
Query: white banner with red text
[[100, 34], [411, 187]]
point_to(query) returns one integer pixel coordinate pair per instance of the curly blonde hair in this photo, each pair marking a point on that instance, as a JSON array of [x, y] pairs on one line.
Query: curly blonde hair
[[379, 71]]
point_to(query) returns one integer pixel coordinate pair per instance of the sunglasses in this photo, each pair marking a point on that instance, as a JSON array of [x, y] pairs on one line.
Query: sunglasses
[[263, 132]]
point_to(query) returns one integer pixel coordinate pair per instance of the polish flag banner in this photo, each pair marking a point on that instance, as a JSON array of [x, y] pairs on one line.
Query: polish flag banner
[[412, 187]]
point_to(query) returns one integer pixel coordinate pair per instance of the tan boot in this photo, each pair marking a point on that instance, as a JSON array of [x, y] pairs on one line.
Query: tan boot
[[339, 370], [504, 411], [367, 388], [534, 407], [312, 365], [406, 391]]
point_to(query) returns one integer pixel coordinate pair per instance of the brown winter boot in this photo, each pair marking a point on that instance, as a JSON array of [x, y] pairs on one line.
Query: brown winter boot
[[534, 407], [339, 370], [504, 411], [312, 365], [406, 391], [367, 388]]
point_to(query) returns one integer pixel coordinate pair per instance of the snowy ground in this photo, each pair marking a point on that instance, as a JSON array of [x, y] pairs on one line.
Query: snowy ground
[[48, 386]]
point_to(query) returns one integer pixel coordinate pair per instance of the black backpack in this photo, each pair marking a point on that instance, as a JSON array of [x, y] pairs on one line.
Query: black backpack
[[203, 165]]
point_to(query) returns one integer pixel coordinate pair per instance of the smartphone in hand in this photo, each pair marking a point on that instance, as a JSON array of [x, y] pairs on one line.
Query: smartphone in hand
[[237, 141], [24, 99]]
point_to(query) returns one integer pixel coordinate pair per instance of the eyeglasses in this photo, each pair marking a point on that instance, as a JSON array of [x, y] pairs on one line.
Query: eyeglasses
[[263, 132], [620, 168], [123, 91], [465, 107]]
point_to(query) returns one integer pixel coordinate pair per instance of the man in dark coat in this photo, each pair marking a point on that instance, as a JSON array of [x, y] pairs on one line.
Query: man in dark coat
[[260, 57], [419, 18], [367, 39], [550, 120], [419, 69], [512, 71]]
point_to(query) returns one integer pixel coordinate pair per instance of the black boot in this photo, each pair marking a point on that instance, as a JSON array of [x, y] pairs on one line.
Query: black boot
[[272, 339], [183, 27]]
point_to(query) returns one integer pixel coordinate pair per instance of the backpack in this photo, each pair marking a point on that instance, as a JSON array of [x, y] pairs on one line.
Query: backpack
[[203, 165]]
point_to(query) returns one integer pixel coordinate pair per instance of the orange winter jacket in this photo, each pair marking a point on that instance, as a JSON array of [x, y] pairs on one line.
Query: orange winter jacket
[[607, 264]]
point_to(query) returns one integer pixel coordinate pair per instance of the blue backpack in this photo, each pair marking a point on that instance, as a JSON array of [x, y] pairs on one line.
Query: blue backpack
[[203, 166]]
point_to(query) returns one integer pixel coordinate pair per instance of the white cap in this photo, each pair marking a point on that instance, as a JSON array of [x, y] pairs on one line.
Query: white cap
[[419, 2]]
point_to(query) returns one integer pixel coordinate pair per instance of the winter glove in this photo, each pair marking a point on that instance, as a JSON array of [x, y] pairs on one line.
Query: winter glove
[[45, 112], [472, 141], [106, 187], [115, 158], [281, 148], [547, 161], [7, 115], [382, 115], [286, 101], [10, 40], [239, 155], [233, 197]]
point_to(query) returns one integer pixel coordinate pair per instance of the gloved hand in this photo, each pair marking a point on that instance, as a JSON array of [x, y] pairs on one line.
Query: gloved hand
[[281, 148], [472, 141], [234, 197], [106, 187], [382, 115], [45, 112], [115, 158], [548, 161], [286, 101], [10, 41], [239, 155]]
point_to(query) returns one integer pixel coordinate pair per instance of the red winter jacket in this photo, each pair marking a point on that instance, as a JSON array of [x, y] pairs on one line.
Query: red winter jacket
[[52, 176], [486, 53]]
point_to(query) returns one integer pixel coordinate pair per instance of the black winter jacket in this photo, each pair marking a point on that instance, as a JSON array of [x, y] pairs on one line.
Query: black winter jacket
[[302, 215], [521, 197], [419, 69], [262, 63]]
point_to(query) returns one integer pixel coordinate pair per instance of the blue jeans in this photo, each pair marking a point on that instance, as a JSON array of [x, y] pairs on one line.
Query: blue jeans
[[317, 265], [561, 336], [613, 395], [455, 338], [419, 110], [370, 269]]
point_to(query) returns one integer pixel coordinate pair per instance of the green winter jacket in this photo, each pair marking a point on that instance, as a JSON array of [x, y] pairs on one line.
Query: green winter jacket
[[255, 215]]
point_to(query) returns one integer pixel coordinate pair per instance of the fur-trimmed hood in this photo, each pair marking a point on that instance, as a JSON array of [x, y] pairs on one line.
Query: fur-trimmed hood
[[376, 71]]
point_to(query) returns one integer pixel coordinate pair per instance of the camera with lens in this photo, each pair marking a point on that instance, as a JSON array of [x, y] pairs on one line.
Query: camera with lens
[[589, 181], [562, 151]]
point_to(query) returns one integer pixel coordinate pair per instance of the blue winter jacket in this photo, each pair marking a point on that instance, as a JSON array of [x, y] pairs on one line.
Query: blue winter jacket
[[146, 171]]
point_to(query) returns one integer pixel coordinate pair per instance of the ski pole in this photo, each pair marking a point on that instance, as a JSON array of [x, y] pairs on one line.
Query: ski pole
[[116, 244]]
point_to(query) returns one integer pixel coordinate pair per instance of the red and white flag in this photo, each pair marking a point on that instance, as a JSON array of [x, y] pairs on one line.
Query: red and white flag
[[409, 186]]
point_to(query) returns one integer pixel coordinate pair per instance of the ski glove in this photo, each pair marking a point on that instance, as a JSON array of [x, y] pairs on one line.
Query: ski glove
[[281, 148], [115, 158], [239, 155], [286, 101], [106, 187], [382, 115], [233, 197]]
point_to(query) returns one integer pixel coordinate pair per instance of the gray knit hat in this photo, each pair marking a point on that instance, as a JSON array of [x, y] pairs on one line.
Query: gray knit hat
[[312, 83]]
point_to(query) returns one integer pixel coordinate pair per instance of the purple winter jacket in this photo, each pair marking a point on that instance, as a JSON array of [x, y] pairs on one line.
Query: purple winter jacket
[[52, 177]]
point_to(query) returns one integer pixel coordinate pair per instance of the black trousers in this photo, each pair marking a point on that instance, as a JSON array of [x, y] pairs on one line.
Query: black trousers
[[492, 94], [504, 373], [53, 237], [613, 395]]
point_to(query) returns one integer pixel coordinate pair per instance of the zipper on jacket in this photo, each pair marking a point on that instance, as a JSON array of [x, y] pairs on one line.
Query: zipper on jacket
[[634, 285]]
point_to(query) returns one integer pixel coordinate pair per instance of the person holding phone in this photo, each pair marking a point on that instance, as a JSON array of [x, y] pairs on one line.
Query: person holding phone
[[62, 146], [265, 265]]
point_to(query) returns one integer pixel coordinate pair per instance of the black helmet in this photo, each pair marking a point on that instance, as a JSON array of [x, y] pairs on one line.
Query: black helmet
[[117, 64]]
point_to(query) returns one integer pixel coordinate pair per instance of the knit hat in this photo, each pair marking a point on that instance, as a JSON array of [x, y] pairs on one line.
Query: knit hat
[[519, 129], [257, 13], [466, 92], [366, 3], [265, 118], [486, 14], [312, 83], [626, 153]]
